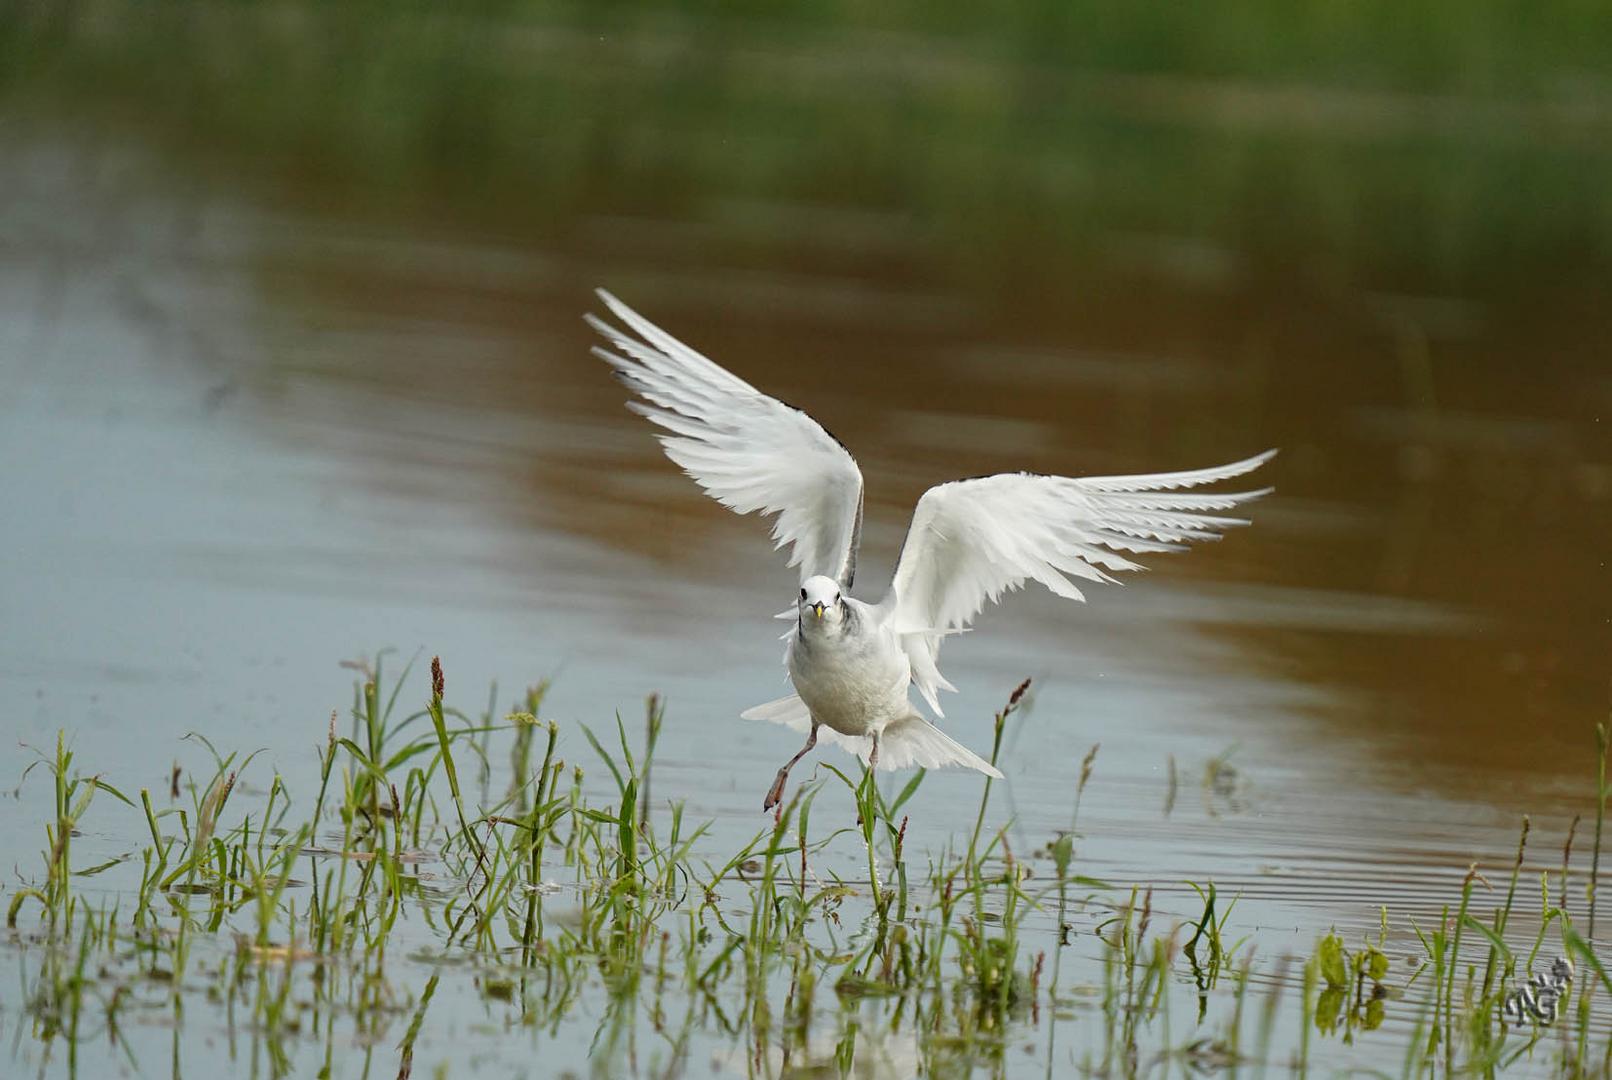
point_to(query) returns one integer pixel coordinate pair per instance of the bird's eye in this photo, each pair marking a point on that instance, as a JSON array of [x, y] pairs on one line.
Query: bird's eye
[[803, 594]]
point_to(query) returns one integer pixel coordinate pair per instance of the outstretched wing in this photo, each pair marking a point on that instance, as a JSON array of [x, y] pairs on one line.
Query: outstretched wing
[[972, 540], [747, 450]]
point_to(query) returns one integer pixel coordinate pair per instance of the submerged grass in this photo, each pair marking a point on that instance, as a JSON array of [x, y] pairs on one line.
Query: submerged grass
[[549, 897]]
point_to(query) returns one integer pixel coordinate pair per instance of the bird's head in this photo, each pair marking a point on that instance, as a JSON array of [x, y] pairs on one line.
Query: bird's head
[[821, 601]]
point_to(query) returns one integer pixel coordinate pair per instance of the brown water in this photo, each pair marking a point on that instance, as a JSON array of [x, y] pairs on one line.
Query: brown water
[[249, 434]]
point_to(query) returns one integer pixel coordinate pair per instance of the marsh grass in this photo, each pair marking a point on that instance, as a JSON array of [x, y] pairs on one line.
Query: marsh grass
[[548, 895]]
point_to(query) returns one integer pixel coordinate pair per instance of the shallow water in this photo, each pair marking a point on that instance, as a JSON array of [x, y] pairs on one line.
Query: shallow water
[[250, 434]]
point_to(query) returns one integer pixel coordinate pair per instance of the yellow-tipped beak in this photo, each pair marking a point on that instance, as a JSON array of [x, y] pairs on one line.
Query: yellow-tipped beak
[[819, 607]]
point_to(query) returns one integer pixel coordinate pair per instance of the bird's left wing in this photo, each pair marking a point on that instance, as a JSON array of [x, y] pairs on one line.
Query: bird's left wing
[[748, 451], [972, 540]]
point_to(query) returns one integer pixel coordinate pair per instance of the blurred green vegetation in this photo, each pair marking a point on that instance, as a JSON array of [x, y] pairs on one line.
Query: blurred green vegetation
[[1426, 146]]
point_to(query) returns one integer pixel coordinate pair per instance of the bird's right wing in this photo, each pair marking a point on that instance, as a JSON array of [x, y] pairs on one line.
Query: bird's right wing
[[972, 540], [748, 451]]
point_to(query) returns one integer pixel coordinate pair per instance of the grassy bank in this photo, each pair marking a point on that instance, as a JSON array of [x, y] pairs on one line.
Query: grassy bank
[[1424, 148]]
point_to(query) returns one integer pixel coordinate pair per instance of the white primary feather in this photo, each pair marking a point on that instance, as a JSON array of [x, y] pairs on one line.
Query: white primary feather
[[972, 540], [748, 451]]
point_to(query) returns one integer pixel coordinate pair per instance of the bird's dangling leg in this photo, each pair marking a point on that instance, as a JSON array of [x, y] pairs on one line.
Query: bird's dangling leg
[[775, 794]]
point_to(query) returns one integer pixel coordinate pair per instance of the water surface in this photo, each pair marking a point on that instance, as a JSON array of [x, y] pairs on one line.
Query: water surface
[[252, 431]]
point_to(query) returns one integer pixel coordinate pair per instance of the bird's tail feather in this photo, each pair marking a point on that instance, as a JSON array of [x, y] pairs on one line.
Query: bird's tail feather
[[916, 743], [789, 711], [905, 744], [792, 713]]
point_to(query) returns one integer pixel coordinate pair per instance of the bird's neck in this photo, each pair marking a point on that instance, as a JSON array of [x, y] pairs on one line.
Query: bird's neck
[[813, 628]]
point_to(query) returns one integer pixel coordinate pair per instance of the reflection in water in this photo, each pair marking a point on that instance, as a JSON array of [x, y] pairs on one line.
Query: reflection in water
[[862, 1051], [1435, 577]]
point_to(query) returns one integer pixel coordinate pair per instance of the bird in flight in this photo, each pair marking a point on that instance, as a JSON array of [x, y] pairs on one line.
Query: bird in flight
[[851, 662]]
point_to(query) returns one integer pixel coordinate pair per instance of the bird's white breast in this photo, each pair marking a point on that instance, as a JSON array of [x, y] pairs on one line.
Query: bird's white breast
[[854, 682]]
